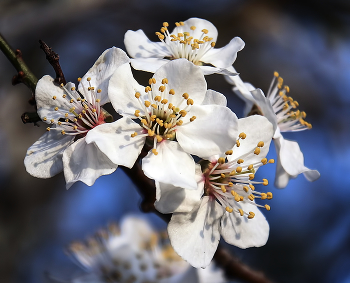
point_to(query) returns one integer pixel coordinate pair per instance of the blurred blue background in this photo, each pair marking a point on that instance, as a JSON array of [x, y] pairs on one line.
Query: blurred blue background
[[307, 42]]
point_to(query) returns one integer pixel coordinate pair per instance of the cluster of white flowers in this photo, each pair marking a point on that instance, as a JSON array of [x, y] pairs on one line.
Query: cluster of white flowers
[[175, 119]]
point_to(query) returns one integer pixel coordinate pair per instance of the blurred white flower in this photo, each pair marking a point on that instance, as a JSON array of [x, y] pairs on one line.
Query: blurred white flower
[[176, 116], [135, 253], [193, 39], [74, 114], [281, 111], [223, 203]]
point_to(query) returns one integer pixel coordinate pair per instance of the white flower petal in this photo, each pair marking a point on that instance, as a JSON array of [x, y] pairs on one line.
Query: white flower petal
[[44, 157], [225, 56], [183, 77], [292, 160], [195, 235], [214, 97], [265, 106], [243, 232], [172, 165], [85, 162], [138, 45], [121, 90], [257, 128], [213, 131], [209, 70], [148, 64], [200, 24], [101, 72], [45, 90], [136, 230], [115, 141], [175, 199]]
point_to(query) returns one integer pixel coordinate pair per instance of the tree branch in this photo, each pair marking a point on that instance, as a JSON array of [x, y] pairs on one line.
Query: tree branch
[[15, 57], [53, 59]]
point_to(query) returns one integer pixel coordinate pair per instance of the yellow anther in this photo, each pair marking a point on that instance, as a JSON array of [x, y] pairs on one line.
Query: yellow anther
[[99, 90], [172, 92], [67, 120], [263, 196], [269, 195], [144, 121], [221, 160], [260, 144], [165, 24], [185, 95], [246, 189], [205, 31], [172, 116], [183, 113], [229, 209], [61, 85], [257, 151], [239, 169], [147, 103], [137, 95], [164, 81], [79, 79], [148, 88], [232, 173], [233, 193], [56, 108], [223, 189], [223, 175], [252, 187], [190, 101], [265, 182], [83, 111], [212, 44], [186, 33], [251, 215], [164, 101], [159, 138], [193, 118], [276, 74], [237, 197], [154, 151], [75, 120], [134, 135], [94, 110], [179, 123], [48, 129], [158, 98], [150, 133], [272, 161], [267, 207], [63, 132], [54, 97], [241, 212], [250, 167], [154, 106], [229, 152], [242, 136], [192, 27], [251, 176], [238, 143], [286, 88], [150, 81], [66, 115], [181, 23], [251, 197], [161, 88], [177, 24], [264, 161], [239, 161], [64, 95], [163, 29], [88, 79], [137, 113], [80, 116], [44, 119], [98, 100]]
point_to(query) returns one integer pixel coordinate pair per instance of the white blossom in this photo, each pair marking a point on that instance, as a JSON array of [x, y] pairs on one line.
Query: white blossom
[[175, 116], [224, 202], [193, 39], [281, 110], [72, 115]]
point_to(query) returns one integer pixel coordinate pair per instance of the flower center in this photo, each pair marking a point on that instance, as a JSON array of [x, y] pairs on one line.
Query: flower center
[[80, 112], [183, 45], [233, 181], [158, 115], [283, 105]]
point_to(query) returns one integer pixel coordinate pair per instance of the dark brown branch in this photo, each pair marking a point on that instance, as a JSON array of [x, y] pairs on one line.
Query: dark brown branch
[[53, 59], [30, 117], [233, 268]]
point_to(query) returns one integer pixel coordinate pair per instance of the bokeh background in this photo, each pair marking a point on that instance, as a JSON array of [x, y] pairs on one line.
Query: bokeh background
[[307, 42]]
